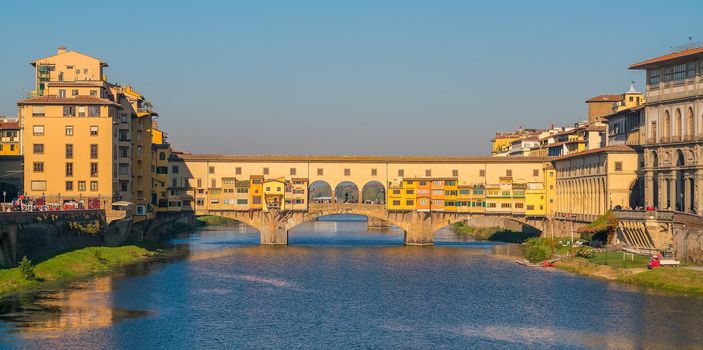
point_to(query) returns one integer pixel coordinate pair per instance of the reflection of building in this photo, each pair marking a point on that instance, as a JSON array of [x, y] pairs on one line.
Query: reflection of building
[[674, 130]]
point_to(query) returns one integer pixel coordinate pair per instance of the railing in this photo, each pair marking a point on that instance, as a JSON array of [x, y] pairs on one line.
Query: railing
[[56, 202], [641, 215]]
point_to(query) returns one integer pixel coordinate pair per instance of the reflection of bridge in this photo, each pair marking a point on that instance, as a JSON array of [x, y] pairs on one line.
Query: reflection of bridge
[[419, 227]]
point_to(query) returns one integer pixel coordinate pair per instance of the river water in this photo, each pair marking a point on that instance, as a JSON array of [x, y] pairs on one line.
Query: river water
[[338, 285]]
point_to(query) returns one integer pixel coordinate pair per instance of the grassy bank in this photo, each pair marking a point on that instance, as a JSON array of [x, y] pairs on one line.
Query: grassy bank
[[496, 234], [74, 264], [208, 220]]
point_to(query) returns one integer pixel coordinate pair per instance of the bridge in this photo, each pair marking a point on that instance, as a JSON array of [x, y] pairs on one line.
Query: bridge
[[419, 227]]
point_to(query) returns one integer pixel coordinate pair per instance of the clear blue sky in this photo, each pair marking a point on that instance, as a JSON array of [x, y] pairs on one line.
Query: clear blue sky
[[353, 77]]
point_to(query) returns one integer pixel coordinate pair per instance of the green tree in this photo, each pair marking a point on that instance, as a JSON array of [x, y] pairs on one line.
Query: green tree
[[27, 269]]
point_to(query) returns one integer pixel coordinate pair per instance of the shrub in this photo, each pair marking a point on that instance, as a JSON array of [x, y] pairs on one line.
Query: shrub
[[27, 269], [587, 253], [537, 249]]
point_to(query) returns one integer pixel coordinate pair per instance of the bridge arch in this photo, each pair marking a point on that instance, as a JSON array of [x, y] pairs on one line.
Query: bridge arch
[[373, 192], [347, 192], [319, 191]]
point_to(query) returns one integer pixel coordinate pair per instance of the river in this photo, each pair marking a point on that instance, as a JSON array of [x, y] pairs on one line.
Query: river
[[338, 285]]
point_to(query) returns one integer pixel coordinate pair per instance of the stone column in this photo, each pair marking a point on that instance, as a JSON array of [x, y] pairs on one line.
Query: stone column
[[672, 191], [420, 230], [649, 189], [698, 191], [686, 193]]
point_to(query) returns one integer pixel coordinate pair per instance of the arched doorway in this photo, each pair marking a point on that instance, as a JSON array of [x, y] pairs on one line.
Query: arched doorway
[[680, 161], [320, 192], [373, 193], [346, 192]]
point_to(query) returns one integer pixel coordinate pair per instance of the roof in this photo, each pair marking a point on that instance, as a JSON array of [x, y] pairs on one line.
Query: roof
[[9, 125], [608, 149], [605, 98], [624, 111], [596, 128], [674, 56], [34, 63], [358, 159], [77, 100], [77, 83]]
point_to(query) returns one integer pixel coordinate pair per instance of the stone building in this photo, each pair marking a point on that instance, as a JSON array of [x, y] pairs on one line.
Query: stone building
[[673, 124]]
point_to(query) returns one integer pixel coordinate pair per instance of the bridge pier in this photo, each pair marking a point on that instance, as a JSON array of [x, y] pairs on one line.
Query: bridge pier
[[421, 229], [273, 229]]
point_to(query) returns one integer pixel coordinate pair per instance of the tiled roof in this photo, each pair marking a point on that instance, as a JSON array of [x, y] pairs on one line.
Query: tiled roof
[[633, 109], [609, 149], [9, 125], [698, 51], [359, 159], [77, 100], [605, 98], [88, 83]]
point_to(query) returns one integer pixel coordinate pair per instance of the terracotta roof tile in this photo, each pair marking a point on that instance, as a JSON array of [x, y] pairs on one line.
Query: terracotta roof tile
[[77, 100], [9, 125], [614, 149], [698, 51], [605, 98]]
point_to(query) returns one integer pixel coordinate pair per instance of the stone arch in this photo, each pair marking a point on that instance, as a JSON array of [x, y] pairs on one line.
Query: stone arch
[[373, 192], [346, 192], [680, 161], [690, 130], [666, 125], [320, 191], [679, 123], [6, 256]]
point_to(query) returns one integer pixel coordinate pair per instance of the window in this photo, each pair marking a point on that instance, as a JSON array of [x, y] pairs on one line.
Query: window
[[38, 167], [374, 172], [200, 182], [396, 202], [74, 92], [38, 185], [242, 189], [401, 172], [519, 205], [93, 169], [618, 166], [409, 202], [38, 130], [455, 172], [69, 130], [93, 93], [69, 169], [482, 172], [93, 130], [81, 185], [93, 151], [347, 172], [213, 183], [266, 171], [409, 191], [93, 111], [505, 205], [680, 72], [38, 111], [508, 172], [238, 171], [428, 172], [69, 151], [320, 172], [69, 111], [292, 171], [62, 92], [93, 185], [241, 201], [174, 183], [69, 185], [38, 148], [174, 169], [211, 170]]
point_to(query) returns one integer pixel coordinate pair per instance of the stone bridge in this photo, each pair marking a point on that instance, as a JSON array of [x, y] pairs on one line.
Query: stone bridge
[[419, 227]]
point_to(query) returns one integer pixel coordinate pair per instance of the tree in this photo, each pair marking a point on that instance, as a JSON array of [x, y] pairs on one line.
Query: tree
[[27, 269]]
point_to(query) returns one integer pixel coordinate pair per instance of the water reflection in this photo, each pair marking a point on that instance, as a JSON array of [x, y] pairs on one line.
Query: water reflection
[[341, 285]]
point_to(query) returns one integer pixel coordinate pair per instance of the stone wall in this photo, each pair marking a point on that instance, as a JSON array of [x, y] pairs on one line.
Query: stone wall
[[688, 237]]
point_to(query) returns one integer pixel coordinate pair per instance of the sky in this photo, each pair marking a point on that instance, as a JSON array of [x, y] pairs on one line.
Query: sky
[[350, 77]]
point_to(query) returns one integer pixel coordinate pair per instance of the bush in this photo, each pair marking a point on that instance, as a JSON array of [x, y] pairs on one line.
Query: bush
[[537, 249], [27, 269], [587, 253]]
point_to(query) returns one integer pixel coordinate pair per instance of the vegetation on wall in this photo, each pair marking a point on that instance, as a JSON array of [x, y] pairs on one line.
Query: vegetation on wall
[[602, 229]]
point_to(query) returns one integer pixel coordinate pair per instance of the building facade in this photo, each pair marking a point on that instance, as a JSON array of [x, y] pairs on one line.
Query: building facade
[[673, 135]]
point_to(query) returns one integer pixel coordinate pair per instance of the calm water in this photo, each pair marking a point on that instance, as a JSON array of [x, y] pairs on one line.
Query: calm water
[[340, 286]]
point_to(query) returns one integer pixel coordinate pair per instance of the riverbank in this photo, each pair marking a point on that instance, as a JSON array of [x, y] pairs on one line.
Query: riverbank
[[494, 234], [70, 265]]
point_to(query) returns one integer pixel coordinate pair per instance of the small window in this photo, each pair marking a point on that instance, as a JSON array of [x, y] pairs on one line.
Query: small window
[[38, 130], [38, 167], [508, 172], [211, 170], [69, 185], [93, 185], [292, 171], [93, 111], [266, 171], [238, 171], [93, 130], [94, 151], [69, 130], [618, 166], [455, 172], [174, 169], [93, 93], [81, 185], [347, 172], [69, 111], [535, 172], [74, 92], [69, 151], [93, 169], [38, 148], [374, 172], [482, 172], [401, 172], [320, 172], [428, 172], [69, 169]]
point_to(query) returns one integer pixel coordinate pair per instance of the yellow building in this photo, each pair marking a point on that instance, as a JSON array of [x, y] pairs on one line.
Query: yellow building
[[256, 192], [10, 137], [296, 197], [274, 192]]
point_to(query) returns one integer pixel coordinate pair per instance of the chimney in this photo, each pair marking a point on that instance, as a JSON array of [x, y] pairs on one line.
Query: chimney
[[62, 49]]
